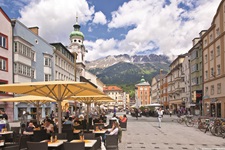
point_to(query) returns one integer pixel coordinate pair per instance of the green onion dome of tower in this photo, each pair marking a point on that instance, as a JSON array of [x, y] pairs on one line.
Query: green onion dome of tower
[[76, 31], [142, 80]]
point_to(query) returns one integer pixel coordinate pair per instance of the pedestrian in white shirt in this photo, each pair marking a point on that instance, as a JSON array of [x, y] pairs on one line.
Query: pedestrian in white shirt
[[113, 131], [160, 115]]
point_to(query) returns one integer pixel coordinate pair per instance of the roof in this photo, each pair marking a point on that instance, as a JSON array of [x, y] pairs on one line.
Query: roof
[[160, 76], [112, 88], [76, 33], [4, 14], [143, 84]]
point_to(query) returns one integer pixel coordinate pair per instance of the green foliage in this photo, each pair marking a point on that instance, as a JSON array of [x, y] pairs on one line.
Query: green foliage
[[126, 75]]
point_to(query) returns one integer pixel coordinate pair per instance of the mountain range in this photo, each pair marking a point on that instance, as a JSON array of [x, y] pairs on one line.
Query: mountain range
[[128, 70]]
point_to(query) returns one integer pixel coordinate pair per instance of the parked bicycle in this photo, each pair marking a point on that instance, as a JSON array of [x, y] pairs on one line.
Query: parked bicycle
[[187, 119]]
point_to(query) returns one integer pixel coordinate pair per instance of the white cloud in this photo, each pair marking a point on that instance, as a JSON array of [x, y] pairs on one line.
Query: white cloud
[[101, 48], [162, 25], [99, 18], [150, 24], [55, 18]]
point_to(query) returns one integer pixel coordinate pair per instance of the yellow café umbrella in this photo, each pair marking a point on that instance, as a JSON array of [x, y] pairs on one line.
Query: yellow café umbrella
[[37, 101], [57, 90], [91, 99]]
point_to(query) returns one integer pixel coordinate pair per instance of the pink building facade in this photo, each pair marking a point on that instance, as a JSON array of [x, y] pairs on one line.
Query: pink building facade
[[6, 70]]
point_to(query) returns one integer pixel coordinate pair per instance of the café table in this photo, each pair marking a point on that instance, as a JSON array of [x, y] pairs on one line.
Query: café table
[[28, 133], [6, 132], [99, 131], [55, 144], [2, 143], [87, 143]]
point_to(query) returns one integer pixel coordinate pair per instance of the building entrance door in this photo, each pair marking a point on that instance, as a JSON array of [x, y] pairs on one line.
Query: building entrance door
[[212, 109], [218, 112]]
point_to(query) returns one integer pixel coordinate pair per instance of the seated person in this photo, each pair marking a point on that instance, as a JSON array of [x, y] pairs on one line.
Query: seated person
[[113, 131], [69, 121], [30, 127], [124, 118], [48, 126], [115, 118]]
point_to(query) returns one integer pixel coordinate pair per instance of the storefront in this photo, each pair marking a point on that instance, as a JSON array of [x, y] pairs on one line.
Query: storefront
[[213, 107]]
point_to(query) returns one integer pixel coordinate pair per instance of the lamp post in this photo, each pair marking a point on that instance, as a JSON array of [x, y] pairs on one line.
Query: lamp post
[[160, 86]]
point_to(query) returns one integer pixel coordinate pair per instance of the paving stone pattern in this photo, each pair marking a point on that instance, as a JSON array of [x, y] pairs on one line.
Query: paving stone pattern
[[144, 134]]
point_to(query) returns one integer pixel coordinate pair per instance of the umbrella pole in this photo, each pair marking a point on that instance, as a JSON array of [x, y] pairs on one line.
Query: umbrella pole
[[38, 116], [88, 106], [59, 116]]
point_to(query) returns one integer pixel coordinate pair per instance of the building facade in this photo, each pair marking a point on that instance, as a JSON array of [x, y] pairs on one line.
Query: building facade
[[158, 89], [195, 62], [117, 94], [64, 63], [6, 55], [33, 61], [143, 93], [176, 85], [77, 48], [214, 65]]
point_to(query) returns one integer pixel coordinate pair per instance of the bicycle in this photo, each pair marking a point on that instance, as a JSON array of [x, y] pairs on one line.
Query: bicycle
[[186, 119]]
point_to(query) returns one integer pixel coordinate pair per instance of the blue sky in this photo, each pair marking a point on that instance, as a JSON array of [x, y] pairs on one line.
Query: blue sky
[[113, 27]]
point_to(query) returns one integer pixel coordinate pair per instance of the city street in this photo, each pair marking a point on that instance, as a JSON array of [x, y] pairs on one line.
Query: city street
[[145, 134]]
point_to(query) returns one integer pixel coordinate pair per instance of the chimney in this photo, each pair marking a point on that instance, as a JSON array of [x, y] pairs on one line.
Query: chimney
[[195, 41], [34, 30]]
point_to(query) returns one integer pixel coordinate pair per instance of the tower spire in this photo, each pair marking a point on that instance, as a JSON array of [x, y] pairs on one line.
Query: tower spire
[[76, 18], [76, 26]]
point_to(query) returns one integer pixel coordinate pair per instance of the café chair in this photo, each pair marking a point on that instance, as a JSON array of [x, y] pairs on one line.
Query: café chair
[[89, 136], [61, 136], [37, 145], [69, 134], [14, 147], [67, 126], [39, 135], [73, 146], [111, 142], [23, 142]]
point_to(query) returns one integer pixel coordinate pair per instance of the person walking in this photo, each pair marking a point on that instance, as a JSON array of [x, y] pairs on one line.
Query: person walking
[[136, 113], [170, 112], [160, 115]]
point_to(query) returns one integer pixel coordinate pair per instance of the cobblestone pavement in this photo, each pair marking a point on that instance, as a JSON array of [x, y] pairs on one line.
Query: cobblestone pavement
[[144, 134]]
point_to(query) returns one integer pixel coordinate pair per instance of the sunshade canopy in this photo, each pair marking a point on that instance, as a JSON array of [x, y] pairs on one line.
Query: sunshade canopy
[[37, 101], [57, 90], [29, 99], [92, 99]]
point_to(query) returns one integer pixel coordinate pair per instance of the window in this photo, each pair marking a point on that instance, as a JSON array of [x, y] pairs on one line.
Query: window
[[3, 64], [212, 72], [206, 74], [47, 61], [218, 31], [218, 88], [211, 37], [22, 70], [211, 55], [3, 41], [24, 50], [218, 51], [218, 69], [206, 58], [212, 89], [205, 41], [206, 90], [32, 73], [56, 60], [47, 77]]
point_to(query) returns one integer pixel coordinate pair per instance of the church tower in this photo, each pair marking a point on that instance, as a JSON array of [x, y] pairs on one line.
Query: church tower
[[77, 48]]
